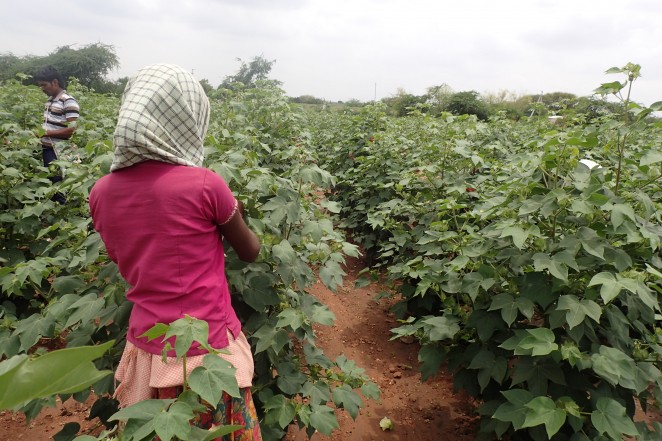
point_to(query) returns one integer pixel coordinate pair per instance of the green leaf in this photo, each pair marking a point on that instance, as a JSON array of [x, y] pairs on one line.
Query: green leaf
[[540, 341], [315, 355], [332, 275], [651, 156], [525, 306], [534, 342], [62, 371], [12, 172], [317, 392], [610, 289], [322, 314], [431, 357], [174, 422], [323, 419], [610, 417], [620, 212], [617, 368], [332, 207], [577, 309], [156, 331], [259, 292], [86, 309], [268, 336], [515, 410], [290, 379], [620, 259], [610, 88], [187, 330], [214, 377], [507, 305], [212, 434], [68, 432], [542, 410], [594, 247], [68, 284], [290, 317], [345, 397], [556, 267], [317, 229], [529, 206], [489, 367], [30, 330], [370, 390], [280, 409], [284, 252], [537, 287], [518, 234], [442, 327]]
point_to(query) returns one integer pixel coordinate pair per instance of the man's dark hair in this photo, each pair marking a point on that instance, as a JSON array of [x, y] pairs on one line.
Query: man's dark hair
[[49, 73]]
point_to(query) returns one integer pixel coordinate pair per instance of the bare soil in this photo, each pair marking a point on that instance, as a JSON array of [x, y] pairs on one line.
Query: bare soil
[[419, 411]]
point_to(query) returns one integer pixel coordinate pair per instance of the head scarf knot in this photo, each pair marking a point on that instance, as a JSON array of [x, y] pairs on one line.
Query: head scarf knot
[[164, 116]]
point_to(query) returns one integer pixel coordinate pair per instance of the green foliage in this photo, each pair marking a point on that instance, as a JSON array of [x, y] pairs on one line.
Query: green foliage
[[533, 278], [60, 290], [172, 418], [403, 103], [89, 64], [467, 103], [249, 74], [307, 99], [65, 371]]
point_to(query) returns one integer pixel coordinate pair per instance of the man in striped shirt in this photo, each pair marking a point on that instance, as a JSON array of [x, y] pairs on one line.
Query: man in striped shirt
[[60, 115]]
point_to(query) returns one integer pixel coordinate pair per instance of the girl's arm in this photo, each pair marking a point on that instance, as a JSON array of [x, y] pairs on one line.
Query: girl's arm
[[241, 238]]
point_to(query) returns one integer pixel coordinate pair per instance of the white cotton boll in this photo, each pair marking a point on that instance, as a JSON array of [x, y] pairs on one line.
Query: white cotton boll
[[590, 164]]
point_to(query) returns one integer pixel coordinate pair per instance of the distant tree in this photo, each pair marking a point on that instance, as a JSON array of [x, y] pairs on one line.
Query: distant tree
[[467, 103], [402, 102], [556, 101], [248, 74], [9, 66], [90, 64], [436, 97], [510, 108], [206, 86], [119, 85], [307, 99], [500, 97], [353, 103], [588, 109], [556, 97]]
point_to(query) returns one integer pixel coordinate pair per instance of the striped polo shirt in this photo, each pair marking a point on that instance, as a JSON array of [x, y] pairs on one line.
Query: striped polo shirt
[[56, 112]]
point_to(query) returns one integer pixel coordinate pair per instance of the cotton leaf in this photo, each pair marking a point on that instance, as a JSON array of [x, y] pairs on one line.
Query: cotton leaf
[[542, 410], [213, 378]]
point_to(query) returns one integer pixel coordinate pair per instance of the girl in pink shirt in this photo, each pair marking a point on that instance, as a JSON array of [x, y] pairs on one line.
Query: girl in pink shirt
[[163, 218]]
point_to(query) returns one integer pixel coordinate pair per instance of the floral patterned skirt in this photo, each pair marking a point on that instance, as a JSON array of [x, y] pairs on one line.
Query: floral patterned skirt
[[239, 411]]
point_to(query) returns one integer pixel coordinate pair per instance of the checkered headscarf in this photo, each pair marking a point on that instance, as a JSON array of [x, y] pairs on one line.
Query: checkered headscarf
[[164, 116]]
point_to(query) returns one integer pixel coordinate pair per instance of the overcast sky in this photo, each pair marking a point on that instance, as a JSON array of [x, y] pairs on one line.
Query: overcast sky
[[362, 49]]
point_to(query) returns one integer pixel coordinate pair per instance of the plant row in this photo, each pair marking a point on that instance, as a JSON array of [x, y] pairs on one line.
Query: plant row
[[532, 277]]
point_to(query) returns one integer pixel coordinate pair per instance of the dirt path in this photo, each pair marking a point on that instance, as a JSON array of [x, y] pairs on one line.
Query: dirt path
[[419, 412]]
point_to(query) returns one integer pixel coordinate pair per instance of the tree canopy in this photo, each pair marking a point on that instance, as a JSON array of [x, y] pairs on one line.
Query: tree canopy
[[249, 73], [89, 64]]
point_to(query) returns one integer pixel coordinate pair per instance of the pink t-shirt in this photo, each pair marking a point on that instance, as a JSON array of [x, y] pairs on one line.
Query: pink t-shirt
[[159, 223]]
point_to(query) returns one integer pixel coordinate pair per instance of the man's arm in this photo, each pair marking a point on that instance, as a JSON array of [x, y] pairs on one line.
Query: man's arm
[[64, 132]]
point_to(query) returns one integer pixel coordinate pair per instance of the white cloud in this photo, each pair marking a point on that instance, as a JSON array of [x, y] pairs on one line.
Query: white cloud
[[342, 49]]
